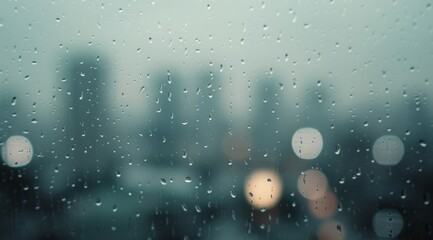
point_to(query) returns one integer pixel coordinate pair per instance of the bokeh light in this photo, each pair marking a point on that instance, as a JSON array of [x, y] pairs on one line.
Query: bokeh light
[[387, 223], [332, 230], [307, 143], [388, 150], [17, 151], [263, 189], [312, 184], [324, 207]]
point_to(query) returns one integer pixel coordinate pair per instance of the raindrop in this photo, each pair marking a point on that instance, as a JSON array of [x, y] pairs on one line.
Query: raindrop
[[337, 149], [197, 208], [426, 199], [98, 202], [422, 143], [403, 194], [188, 179], [232, 193]]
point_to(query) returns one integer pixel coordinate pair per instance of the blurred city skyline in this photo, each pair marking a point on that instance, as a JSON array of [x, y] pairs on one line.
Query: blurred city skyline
[[253, 120]]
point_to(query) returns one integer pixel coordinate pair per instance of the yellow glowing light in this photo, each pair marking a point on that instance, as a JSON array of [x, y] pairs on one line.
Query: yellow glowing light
[[263, 189]]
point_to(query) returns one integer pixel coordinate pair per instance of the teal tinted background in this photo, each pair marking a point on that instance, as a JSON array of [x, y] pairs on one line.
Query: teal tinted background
[[124, 102]]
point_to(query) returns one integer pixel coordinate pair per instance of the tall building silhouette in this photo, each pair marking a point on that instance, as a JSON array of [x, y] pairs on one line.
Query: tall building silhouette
[[86, 123]]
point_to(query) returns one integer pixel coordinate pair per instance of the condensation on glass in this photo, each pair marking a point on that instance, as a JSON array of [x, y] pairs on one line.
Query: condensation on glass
[[216, 120]]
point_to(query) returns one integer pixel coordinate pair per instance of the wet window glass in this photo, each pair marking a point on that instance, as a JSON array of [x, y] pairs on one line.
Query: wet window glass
[[216, 119]]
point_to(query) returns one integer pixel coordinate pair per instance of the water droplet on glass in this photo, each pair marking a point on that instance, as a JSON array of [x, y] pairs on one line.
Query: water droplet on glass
[[232, 193], [98, 202], [426, 199], [197, 208], [422, 143], [188, 179], [337, 149], [14, 101], [163, 181], [403, 194]]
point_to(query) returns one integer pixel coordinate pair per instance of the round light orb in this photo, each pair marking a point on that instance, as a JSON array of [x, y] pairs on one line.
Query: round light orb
[[312, 184], [388, 150], [263, 189], [387, 223], [332, 230], [324, 207], [17, 151], [307, 143]]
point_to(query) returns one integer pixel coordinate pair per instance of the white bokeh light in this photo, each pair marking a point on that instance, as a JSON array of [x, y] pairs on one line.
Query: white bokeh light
[[17, 151], [307, 143], [388, 150], [387, 223]]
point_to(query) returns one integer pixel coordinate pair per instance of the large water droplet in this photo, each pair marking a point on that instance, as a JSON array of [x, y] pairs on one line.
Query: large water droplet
[[422, 143], [188, 179], [98, 202], [197, 208], [337, 149]]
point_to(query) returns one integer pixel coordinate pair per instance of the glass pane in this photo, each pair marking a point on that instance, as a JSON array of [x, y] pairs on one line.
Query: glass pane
[[216, 120]]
